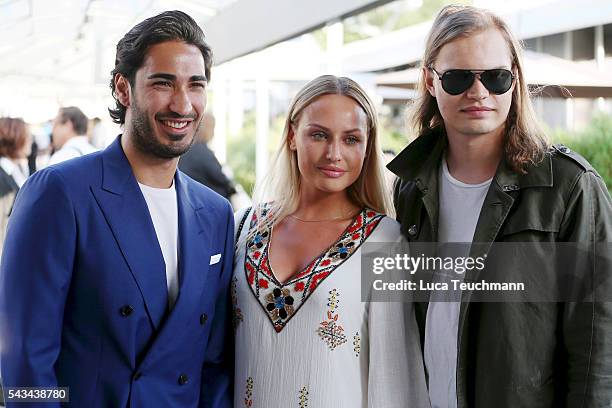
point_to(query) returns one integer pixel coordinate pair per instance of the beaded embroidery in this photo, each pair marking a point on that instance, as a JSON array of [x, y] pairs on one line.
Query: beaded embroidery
[[248, 394], [303, 398], [330, 331], [357, 344], [282, 301], [237, 313]]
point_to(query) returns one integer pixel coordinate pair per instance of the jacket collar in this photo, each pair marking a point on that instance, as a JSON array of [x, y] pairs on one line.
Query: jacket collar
[[420, 160], [117, 174]]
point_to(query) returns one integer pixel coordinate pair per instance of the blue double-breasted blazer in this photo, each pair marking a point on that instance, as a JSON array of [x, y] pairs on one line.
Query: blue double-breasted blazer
[[83, 293]]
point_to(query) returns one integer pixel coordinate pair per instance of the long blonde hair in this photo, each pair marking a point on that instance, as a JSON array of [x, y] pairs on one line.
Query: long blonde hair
[[280, 188], [525, 141]]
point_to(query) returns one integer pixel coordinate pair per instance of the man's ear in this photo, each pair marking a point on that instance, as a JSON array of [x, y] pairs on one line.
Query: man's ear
[[123, 90], [291, 138], [429, 79]]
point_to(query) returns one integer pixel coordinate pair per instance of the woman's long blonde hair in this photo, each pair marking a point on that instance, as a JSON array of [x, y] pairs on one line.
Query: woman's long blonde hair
[[280, 188], [525, 141]]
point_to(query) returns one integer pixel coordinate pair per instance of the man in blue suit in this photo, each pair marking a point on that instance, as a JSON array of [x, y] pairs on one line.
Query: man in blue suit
[[115, 275]]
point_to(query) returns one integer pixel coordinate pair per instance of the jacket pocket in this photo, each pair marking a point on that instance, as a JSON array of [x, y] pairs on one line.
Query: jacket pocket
[[526, 228]]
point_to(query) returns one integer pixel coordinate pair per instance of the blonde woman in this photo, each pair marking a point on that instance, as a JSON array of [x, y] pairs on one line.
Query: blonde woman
[[303, 335]]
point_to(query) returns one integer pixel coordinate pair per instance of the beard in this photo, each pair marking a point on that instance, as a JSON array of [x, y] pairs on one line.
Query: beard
[[143, 136]]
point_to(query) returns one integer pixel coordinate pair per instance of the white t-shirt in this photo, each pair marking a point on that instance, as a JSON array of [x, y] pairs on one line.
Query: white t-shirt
[[162, 203], [460, 204], [459, 208]]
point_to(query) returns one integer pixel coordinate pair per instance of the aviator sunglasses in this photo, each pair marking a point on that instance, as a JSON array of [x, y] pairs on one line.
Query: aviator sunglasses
[[457, 81]]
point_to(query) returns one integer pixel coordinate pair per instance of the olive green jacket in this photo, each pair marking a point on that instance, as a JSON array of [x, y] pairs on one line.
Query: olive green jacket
[[521, 354]]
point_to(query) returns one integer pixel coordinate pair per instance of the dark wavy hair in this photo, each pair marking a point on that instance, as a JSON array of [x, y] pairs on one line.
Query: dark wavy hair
[[132, 48]]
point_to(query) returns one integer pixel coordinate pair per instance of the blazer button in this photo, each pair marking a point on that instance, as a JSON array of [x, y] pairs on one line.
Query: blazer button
[[183, 379], [126, 310], [203, 319], [412, 231], [137, 376]]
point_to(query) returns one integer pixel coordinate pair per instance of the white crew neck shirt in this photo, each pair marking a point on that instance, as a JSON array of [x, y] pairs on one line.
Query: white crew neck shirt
[[459, 208], [162, 204], [460, 204]]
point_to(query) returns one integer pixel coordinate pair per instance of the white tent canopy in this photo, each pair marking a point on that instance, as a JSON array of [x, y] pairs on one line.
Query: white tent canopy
[[61, 52]]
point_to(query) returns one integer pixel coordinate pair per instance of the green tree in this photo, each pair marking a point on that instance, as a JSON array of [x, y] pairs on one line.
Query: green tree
[[241, 149], [594, 143], [241, 154], [393, 16]]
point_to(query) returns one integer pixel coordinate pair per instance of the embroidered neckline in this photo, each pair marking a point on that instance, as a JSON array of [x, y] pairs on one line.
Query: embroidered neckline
[[281, 301], [307, 268]]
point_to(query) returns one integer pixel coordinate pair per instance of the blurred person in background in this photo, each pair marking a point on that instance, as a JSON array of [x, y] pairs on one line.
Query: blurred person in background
[[15, 147], [100, 134], [96, 133], [481, 171], [69, 135], [44, 147], [303, 333], [201, 164], [33, 157]]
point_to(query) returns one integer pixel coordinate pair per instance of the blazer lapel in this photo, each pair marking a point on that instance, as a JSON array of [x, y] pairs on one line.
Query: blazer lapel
[[127, 214], [194, 251]]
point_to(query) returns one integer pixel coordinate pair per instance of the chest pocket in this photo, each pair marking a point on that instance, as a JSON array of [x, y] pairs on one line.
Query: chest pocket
[[531, 222]]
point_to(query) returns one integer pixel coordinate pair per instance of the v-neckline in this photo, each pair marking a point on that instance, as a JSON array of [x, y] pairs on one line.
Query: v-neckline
[[282, 301], [313, 260]]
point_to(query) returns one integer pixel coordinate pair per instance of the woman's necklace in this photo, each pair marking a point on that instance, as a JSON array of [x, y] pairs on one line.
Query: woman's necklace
[[338, 218]]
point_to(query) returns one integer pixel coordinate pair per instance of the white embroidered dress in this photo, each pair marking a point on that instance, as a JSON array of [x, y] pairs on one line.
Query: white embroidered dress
[[312, 342]]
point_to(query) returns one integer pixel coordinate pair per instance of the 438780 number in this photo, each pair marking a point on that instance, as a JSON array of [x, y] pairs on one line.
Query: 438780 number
[[36, 394]]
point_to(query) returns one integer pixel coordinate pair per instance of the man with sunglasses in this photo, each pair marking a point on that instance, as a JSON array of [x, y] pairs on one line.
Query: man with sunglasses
[[480, 171]]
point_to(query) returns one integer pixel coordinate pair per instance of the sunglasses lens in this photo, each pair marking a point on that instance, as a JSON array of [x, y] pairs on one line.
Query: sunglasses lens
[[497, 81], [457, 81]]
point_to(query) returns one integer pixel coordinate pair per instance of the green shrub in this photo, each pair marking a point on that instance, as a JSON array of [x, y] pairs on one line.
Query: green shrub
[[594, 144], [241, 149], [241, 154]]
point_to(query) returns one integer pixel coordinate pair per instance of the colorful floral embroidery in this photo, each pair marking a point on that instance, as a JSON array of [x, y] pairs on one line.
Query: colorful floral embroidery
[[330, 331], [282, 301], [259, 240], [357, 344], [303, 397], [248, 395], [280, 304], [237, 313], [342, 249]]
